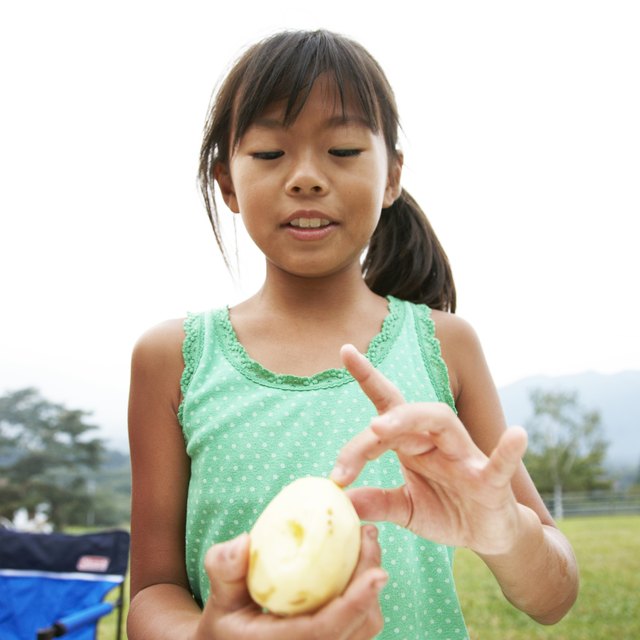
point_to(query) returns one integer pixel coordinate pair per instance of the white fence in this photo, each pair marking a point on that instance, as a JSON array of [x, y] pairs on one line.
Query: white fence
[[597, 503]]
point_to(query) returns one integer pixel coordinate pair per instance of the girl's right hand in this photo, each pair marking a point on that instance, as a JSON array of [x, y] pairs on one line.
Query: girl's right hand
[[231, 614]]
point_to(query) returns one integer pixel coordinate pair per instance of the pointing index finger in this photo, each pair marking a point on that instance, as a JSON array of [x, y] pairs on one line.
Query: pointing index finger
[[382, 392]]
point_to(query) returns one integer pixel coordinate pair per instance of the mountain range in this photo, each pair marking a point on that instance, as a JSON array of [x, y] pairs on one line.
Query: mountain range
[[616, 396]]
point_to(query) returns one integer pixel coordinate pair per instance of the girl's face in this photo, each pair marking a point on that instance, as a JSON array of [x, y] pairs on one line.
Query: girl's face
[[310, 194]]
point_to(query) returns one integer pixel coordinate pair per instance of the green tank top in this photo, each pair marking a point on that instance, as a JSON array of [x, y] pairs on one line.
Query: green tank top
[[249, 432]]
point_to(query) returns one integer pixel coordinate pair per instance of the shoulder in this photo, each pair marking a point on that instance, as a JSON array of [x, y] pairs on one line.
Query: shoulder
[[160, 343], [452, 327], [460, 347], [157, 356]]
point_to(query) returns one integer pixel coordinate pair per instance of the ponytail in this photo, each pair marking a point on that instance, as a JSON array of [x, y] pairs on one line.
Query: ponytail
[[405, 258]]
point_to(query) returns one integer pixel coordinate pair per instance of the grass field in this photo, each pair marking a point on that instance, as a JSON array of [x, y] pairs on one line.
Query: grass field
[[608, 607], [608, 550]]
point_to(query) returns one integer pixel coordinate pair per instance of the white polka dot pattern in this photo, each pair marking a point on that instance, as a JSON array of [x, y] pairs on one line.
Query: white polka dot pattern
[[249, 432]]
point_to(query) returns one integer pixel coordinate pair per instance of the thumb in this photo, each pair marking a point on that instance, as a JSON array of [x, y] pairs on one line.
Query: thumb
[[506, 458], [376, 505], [227, 564]]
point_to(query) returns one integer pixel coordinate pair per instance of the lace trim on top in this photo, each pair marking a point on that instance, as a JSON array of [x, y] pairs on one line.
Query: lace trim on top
[[432, 356], [191, 352], [239, 358]]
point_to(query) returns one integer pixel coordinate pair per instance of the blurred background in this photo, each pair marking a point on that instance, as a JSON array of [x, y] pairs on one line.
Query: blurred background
[[521, 138]]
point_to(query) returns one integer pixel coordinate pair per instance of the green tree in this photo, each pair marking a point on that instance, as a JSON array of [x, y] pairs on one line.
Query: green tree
[[47, 455], [566, 446], [634, 486]]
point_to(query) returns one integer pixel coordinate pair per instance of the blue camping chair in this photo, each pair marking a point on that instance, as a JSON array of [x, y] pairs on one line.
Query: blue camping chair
[[53, 584]]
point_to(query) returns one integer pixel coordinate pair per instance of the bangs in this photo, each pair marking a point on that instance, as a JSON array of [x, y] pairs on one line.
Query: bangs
[[285, 67]]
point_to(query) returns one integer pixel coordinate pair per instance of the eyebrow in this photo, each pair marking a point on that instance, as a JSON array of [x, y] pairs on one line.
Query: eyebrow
[[329, 123]]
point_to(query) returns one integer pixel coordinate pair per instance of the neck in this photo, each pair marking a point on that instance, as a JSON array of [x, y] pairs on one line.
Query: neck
[[314, 297], [327, 298], [297, 325]]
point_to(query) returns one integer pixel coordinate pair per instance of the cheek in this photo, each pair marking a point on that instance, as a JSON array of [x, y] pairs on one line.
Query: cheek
[[250, 191], [369, 190]]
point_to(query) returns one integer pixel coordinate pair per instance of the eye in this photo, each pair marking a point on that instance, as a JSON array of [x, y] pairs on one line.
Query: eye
[[267, 155], [345, 153]]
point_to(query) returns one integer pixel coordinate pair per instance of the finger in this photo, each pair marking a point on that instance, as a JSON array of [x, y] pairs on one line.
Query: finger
[[356, 613], [409, 429], [362, 448], [419, 427], [346, 616], [382, 505], [227, 565], [506, 458], [381, 391], [370, 554], [352, 615]]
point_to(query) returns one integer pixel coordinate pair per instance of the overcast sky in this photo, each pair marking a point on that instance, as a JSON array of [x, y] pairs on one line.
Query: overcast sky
[[522, 144]]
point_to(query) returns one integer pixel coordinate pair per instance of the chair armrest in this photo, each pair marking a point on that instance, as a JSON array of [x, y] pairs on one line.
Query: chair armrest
[[75, 621]]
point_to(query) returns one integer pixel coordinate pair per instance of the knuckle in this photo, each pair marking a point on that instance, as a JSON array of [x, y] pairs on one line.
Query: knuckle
[[210, 559], [371, 551], [443, 410], [370, 531], [371, 455], [321, 630], [375, 622]]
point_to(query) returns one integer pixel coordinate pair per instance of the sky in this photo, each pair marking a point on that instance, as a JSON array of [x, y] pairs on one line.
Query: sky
[[521, 139]]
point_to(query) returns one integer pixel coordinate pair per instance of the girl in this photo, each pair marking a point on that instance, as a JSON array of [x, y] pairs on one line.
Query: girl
[[229, 406]]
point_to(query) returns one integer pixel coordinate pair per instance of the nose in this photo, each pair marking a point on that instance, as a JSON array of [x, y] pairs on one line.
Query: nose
[[306, 178]]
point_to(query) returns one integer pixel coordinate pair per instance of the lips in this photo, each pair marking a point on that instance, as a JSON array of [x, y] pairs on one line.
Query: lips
[[309, 225]]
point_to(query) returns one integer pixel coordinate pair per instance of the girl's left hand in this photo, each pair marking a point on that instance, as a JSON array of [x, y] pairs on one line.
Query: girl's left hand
[[453, 493]]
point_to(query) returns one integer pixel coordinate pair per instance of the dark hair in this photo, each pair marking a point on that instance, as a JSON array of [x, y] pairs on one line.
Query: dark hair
[[404, 257]]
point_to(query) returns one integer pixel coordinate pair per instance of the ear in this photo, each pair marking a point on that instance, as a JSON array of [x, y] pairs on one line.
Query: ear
[[223, 178], [394, 187]]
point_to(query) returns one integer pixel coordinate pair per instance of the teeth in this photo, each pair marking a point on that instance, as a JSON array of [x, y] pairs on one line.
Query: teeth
[[310, 223]]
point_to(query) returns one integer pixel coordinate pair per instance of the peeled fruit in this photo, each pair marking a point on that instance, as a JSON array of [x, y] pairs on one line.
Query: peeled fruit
[[304, 547]]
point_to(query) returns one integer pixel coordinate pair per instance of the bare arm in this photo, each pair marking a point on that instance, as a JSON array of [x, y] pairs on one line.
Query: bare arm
[[161, 604], [465, 481], [539, 575]]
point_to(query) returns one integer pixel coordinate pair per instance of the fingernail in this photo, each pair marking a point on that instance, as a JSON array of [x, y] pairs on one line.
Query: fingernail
[[379, 581], [233, 548], [339, 475], [372, 532]]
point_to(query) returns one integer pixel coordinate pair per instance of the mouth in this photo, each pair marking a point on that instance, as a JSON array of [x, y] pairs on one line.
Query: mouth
[[309, 223]]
